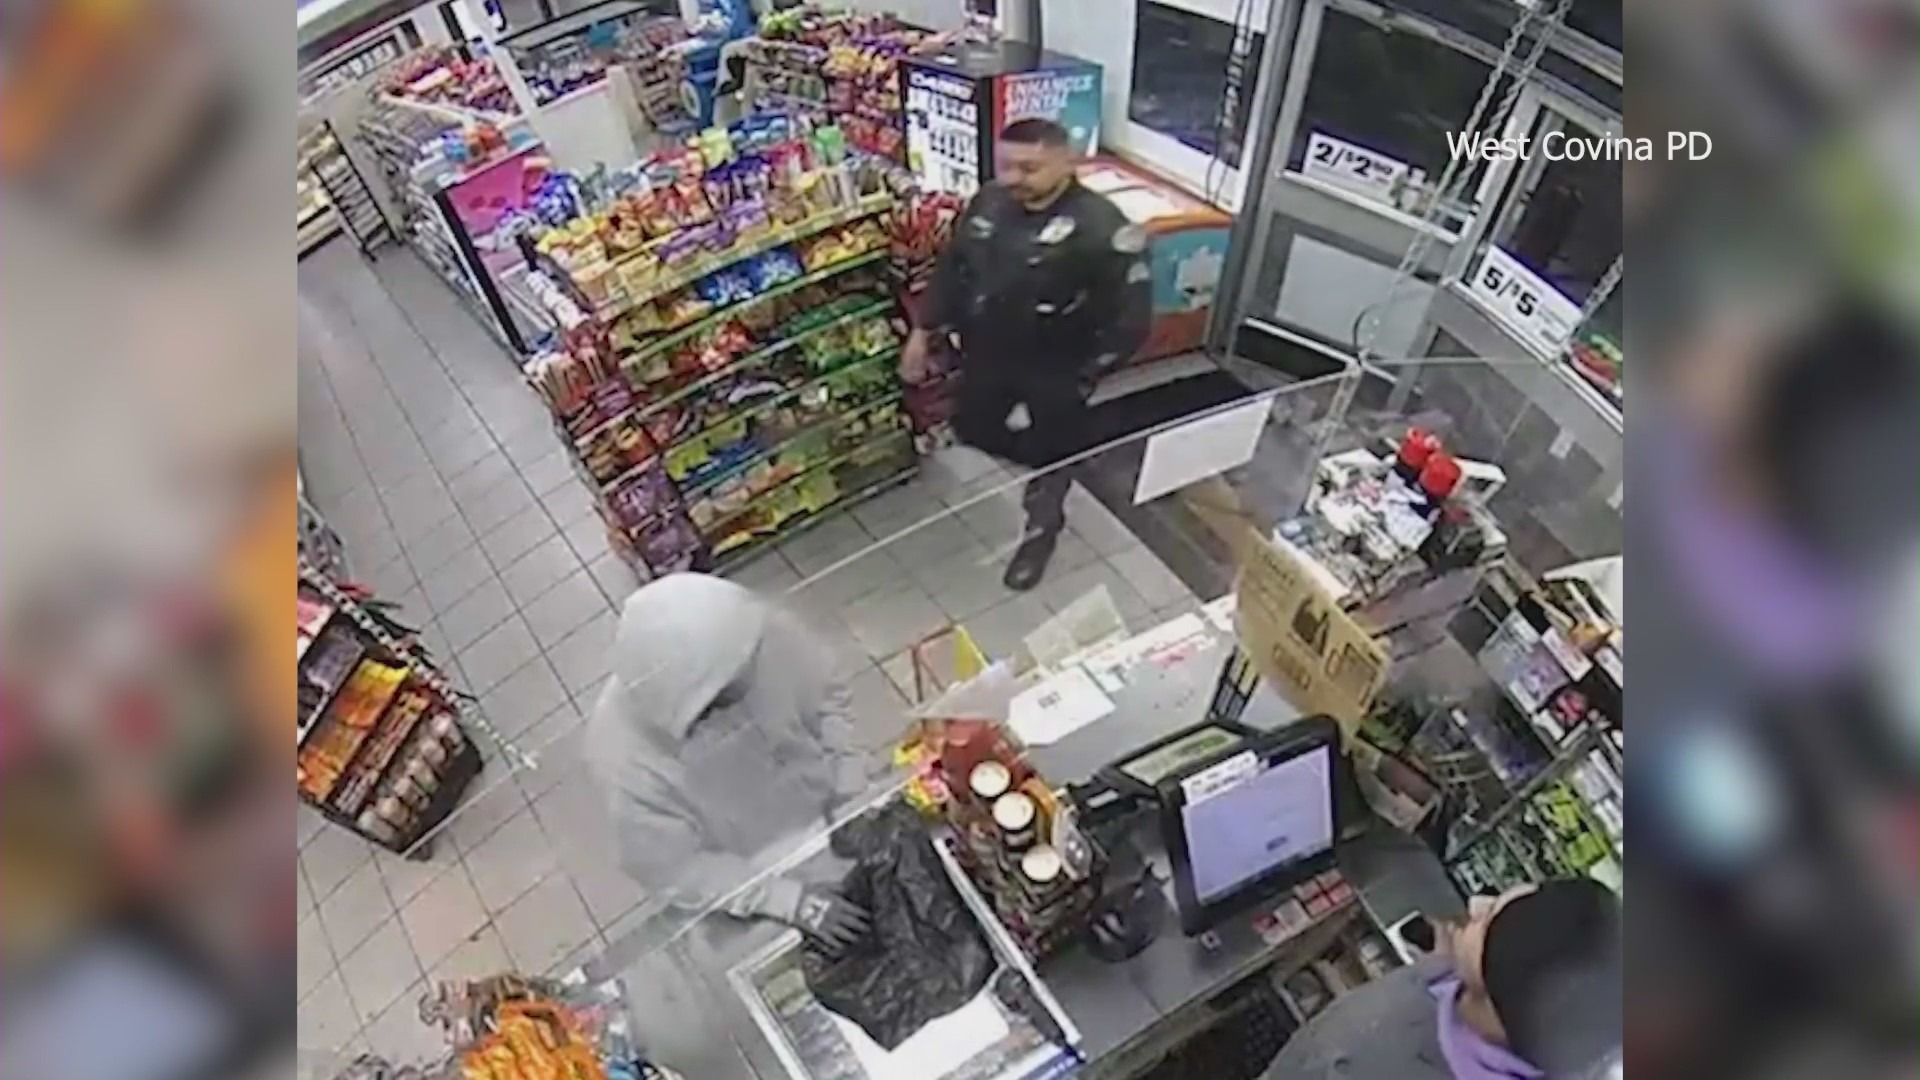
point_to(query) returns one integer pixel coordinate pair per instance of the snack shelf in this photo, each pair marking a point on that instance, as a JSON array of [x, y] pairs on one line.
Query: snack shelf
[[389, 692], [787, 395], [681, 334], [890, 435], [751, 360], [695, 487], [305, 727], [793, 527], [801, 230]]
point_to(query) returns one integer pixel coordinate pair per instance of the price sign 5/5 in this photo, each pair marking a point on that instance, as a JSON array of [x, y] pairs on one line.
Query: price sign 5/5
[[1541, 316], [1353, 167]]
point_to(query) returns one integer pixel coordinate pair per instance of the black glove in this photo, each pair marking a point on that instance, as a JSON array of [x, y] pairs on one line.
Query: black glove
[[829, 918]]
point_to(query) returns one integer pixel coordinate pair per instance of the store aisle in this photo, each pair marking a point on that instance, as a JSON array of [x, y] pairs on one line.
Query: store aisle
[[447, 481]]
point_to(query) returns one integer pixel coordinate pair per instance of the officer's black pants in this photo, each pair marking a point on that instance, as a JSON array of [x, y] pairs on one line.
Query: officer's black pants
[[1059, 426]]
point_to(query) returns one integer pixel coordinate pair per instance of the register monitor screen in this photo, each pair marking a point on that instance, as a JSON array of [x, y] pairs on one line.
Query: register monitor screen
[[1261, 824]]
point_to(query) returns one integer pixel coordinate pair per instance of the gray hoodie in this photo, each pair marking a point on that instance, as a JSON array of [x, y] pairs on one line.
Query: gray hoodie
[[720, 740]]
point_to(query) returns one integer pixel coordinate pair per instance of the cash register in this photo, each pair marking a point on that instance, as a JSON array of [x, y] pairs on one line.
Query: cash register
[[1247, 817]]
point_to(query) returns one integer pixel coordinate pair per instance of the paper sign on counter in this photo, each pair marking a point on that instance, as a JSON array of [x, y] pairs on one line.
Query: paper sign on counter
[[942, 1046], [1058, 707], [1205, 447]]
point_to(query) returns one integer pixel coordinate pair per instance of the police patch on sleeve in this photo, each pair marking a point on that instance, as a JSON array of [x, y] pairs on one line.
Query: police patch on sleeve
[[1058, 229], [1139, 272], [1130, 239]]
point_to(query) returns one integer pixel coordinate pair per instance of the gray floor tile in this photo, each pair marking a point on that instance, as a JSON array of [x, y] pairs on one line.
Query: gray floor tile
[[455, 578], [445, 914], [549, 472], [431, 550], [888, 621], [898, 509], [968, 583], [554, 743], [406, 877], [331, 857], [516, 536], [879, 709], [524, 696], [581, 658], [769, 574], [314, 959], [502, 651], [562, 609], [869, 573], [1001, 630], [479, 478], [399, 1034], [328, 1021], [470, 618], [421, 516], [932, 543], [1150, 577], [481, 955], [823, 546], [489, 803], [381, 970], [518, 856], [422, 485], [1097, 525], [1058, 591], [588, 534], [540, 569], [356, 909], [566, 501], [543, 927], [499, 503], [391, 578], [615, 578]]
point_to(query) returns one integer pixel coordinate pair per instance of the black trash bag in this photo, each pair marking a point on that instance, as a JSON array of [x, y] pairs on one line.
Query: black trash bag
[[925, 955]]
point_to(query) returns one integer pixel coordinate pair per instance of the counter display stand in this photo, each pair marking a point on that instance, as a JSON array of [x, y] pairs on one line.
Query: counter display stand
[[731, 381], [384, 744]]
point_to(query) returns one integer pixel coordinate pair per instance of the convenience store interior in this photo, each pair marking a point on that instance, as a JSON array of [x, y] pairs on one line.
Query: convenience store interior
[[453, 493]]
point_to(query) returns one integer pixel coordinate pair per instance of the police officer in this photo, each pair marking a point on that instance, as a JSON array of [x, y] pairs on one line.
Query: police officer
[[1044, 287]]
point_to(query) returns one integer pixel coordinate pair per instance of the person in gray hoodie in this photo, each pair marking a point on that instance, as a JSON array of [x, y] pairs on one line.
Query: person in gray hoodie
[[720, 742]]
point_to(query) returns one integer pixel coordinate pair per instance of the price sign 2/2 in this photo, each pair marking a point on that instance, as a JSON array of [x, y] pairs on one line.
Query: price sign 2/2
[[1353, 167], [1541, 316]]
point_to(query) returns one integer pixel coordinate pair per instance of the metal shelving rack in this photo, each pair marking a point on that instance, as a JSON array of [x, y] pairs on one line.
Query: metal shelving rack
[[324, 159]]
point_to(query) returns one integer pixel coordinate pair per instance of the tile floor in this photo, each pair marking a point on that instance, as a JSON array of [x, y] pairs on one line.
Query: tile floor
[[446, 479]]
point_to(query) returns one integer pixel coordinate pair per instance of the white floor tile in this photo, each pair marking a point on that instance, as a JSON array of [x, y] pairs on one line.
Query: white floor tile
[[406, 877], [380, 971], [1150, 577], [331, 857], [327, 1020], [356, 909], [399, 1036], [514, 859], [479, 956], [543, 927], [1000, 631], [446, 913], [888, 621], [315, 957]]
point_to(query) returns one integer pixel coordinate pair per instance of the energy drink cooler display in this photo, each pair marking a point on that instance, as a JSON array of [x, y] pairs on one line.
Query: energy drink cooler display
[[958, 100]]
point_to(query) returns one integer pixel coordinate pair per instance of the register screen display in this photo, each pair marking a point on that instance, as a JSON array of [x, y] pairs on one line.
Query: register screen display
[[1263, 822]]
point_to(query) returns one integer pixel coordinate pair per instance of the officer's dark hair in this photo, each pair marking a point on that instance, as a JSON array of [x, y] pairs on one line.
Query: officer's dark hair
[[1552, 965], [1036, 131]]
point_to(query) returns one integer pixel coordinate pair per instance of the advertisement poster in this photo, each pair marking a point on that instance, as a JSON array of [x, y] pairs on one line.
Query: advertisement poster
[[1314, 653], [1069, 97]]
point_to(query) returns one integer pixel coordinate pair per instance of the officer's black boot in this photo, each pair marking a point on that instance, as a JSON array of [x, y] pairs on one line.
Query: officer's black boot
[[1029, 562]]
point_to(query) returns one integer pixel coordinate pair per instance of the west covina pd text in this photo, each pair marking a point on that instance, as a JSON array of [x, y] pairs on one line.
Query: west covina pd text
[[1571, 146]]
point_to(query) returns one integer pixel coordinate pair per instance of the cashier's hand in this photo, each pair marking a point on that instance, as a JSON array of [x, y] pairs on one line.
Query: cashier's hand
[[829, 918]]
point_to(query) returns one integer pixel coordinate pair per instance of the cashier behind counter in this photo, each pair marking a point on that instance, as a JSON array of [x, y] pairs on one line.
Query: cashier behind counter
[[1526, 985]]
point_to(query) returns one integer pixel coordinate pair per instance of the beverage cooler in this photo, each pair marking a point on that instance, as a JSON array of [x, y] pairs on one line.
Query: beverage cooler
[[959, 99]]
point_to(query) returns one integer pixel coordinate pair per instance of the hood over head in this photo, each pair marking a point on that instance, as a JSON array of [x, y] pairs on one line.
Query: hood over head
[[682, 640]]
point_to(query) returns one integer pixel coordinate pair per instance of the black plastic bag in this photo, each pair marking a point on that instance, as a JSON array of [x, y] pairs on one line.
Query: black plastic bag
[[925, 955]]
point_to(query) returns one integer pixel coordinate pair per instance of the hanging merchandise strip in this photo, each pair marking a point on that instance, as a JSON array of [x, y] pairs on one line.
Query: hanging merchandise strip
[[423, 667], [1450, 187]]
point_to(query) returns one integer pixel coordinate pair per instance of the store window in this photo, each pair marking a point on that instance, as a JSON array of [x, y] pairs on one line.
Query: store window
[[1598, 19], [1181, 82], [1569, 230], [1389, 89]]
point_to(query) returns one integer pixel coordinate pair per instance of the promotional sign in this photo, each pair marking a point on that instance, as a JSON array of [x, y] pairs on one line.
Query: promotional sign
[[1068, 97], [943, 131], [1314, 653], [1538, 314], [1353, 167]]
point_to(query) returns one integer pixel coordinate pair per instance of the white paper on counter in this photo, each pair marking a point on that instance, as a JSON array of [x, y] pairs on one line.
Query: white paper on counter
[[1058, 707], [940, 1047], [1205, 447], [983, 697]]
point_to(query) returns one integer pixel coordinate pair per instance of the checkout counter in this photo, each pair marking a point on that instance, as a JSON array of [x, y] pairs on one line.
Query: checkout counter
[[719, 998]]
